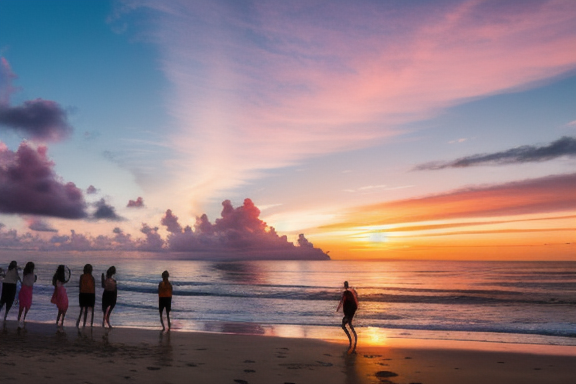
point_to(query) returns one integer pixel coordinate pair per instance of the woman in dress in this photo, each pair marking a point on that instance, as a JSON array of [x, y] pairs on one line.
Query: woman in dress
[[60, 297], [25, 296]]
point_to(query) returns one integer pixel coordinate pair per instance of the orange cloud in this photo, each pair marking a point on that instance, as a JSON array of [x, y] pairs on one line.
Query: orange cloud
[[514, 220], [543, 195]]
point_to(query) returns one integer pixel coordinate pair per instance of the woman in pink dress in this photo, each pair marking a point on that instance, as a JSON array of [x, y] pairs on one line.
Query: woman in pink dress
[[60, 297], [25, 295]]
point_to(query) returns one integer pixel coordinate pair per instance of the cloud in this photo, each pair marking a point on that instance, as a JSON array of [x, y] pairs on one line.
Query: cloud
[[328, 79], [138, 203], [105, 211], [153, 240], [565, 146], [38, 119], [28, 185], [6, 78], [532, 196], [37, 224], [239, 231], [91, 190]]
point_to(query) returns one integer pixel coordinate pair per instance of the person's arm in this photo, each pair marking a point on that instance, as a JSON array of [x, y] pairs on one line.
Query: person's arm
[[340, 303], [355, 296], [103, 281], [80, 281]]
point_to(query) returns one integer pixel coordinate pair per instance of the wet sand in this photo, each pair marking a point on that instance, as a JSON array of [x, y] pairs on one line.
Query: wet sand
[[39, 353]]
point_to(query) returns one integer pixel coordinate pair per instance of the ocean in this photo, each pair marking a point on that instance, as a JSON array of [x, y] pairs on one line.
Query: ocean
[[510, 302]]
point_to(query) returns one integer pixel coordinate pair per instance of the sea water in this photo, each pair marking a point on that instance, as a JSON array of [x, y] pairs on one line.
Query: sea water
[[515, 302]]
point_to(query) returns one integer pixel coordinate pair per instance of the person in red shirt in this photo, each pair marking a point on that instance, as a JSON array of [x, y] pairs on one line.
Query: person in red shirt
[[165, 298], [349, 304]]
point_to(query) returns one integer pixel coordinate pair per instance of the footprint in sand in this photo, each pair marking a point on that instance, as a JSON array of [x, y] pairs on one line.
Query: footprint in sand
[[385, 374], [240, 381], [153, 368], [249, 371]]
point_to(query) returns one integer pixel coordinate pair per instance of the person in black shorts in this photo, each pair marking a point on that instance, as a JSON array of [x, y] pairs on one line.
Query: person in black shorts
[[349, 304], [165, 298]]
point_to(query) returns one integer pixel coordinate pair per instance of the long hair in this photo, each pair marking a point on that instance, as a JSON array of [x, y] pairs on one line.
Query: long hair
[[13, 264], [60, 275], [29, 268], [88, 268], [111, 271]]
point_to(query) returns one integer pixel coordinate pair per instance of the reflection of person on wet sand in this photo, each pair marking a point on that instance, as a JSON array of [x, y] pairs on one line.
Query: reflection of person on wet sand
[[349, 303], [165, 298]]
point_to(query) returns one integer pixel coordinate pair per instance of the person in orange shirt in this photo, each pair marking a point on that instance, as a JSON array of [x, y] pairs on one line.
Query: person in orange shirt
[[165, 298], [87, 297]]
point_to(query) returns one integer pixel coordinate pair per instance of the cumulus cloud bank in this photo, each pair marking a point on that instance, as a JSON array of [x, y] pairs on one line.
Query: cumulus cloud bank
[[42, 120], [565, 146], [28, 185], [238, 234]]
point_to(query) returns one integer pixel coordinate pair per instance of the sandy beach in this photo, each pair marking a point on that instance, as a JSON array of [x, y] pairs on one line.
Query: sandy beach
[[39, 353]]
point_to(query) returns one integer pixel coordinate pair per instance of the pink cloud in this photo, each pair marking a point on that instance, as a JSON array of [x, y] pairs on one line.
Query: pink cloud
[[238, 231], [28, 185], [238, 234], [37, 224], [326, 79], [138, 203], [91, 190]]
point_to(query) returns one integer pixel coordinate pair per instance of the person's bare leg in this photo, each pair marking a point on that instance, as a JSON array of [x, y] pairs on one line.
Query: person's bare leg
[[104, 318], [355, 336], [162, 321], [92, 319], [79, 317], [20, 313], [107, 317], [168, 317], [63, 316], [344, 321], [25, 313], [85, 316]]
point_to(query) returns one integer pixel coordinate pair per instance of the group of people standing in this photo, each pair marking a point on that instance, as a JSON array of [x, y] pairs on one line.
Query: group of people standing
[[87, 288], [86, 297]]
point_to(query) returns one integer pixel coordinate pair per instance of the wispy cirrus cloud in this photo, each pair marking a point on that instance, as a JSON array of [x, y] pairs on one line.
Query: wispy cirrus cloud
[[533, 196], [267, 84], [565, 146]]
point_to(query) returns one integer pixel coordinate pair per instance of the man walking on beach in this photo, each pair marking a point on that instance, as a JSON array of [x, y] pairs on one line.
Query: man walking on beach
[[349, 302]]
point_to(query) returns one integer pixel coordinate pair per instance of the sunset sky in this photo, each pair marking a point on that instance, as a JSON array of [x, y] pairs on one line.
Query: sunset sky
[[379, 129]]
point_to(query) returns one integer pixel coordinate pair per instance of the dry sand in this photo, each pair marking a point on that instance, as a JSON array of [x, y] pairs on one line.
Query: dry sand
[[39, 353]]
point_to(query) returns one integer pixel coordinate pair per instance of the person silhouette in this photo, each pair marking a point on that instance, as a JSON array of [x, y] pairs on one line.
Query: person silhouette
[[165, 298], [60, 297], [349, 304], [11, 278], [109, 295], [25, 296], [87, 295]]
